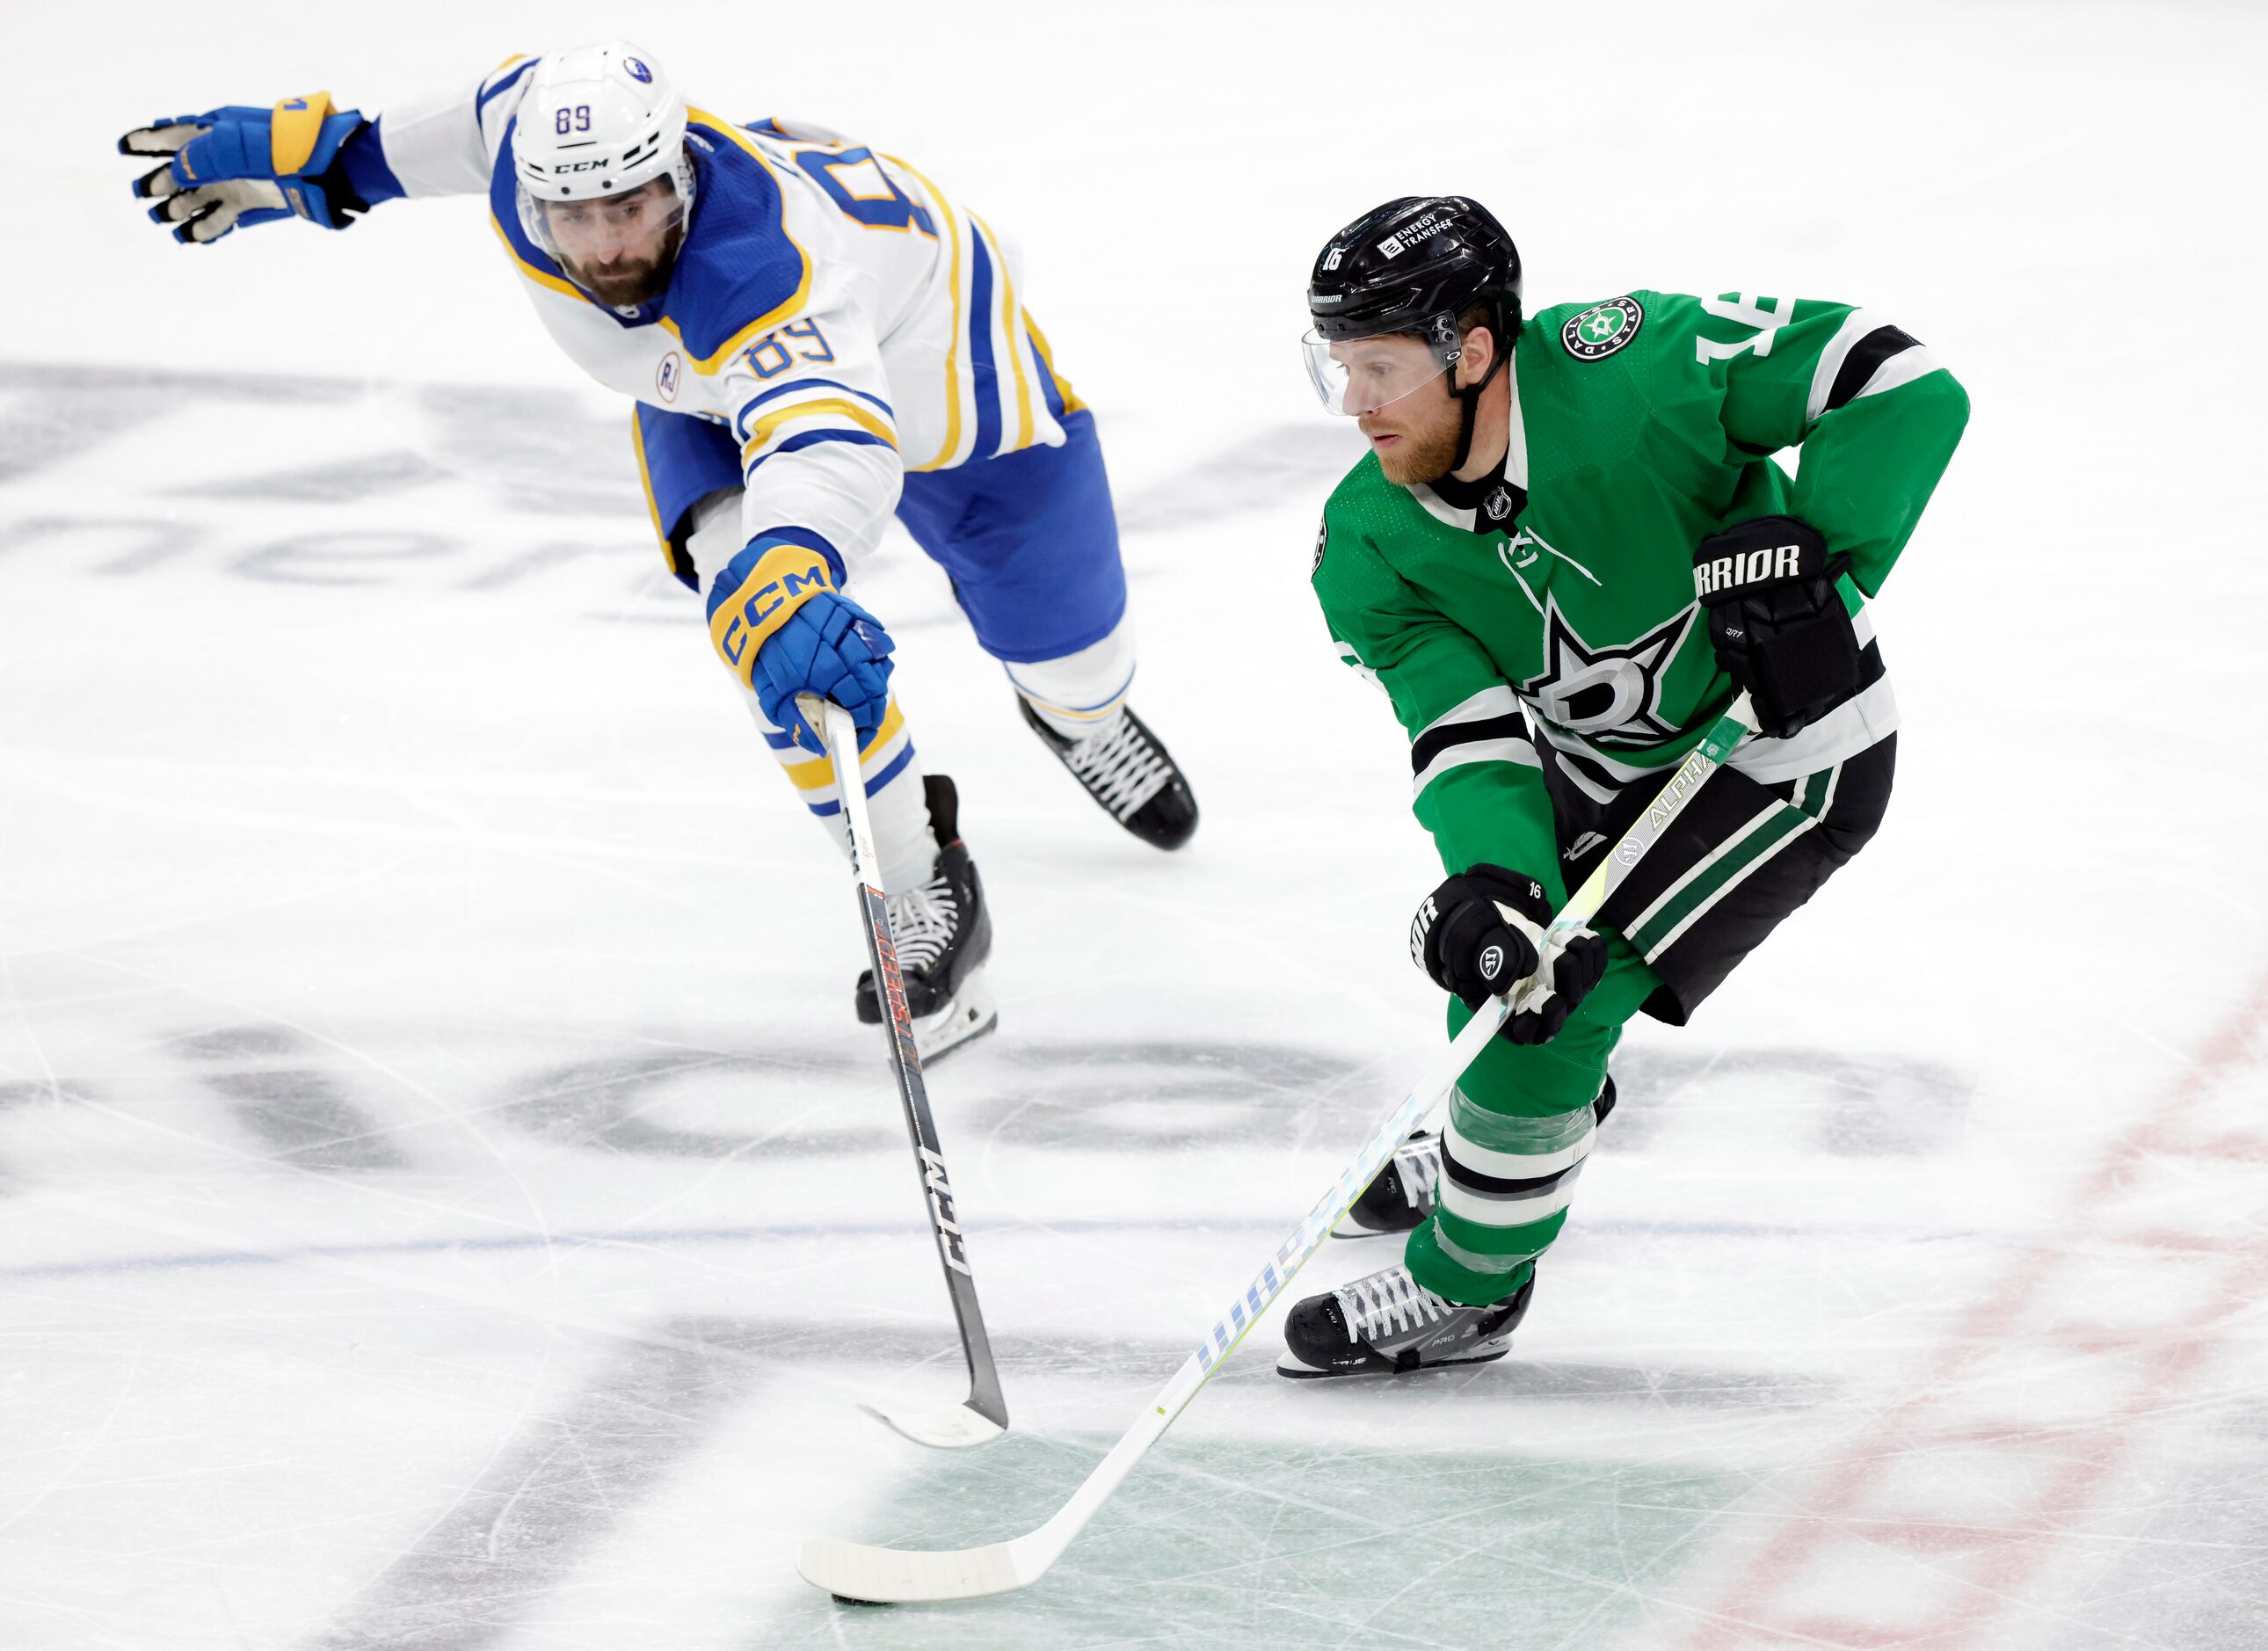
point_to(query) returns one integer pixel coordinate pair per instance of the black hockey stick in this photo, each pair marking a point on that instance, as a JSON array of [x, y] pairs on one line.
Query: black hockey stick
[[983, 1416]]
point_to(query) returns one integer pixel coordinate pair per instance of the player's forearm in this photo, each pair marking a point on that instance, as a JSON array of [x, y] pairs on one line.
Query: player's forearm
[[1475, 777], [844, 497], [1494, 814], [819, 456], [1869, 467]]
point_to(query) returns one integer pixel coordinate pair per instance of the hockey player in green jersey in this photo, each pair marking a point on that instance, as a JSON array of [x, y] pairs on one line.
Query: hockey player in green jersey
[[1567, 550]]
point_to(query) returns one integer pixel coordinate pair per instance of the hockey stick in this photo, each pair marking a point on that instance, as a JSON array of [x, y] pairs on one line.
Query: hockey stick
[[855, 1571], [983, 1416]]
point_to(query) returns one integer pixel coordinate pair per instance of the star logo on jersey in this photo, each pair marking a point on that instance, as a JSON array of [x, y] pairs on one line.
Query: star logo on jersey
[[1611, 695], [1603, 328]]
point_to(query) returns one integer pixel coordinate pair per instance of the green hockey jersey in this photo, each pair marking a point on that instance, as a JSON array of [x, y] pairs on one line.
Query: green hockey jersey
[[1562, 607]]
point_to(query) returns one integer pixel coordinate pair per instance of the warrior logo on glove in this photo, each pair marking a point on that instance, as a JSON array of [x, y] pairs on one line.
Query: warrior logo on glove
[[1778, 621]]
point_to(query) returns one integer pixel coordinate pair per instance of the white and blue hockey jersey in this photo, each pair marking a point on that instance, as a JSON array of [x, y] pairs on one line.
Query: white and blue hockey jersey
[[830, 307]]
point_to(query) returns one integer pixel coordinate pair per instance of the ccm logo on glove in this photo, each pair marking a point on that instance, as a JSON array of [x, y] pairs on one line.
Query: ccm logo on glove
[[782, 579]]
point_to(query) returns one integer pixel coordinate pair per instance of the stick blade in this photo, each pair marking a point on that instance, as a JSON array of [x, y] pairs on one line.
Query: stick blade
[[893, 1576], [954, 1429]]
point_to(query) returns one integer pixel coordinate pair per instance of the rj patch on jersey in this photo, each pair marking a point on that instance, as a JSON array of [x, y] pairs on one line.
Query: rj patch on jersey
[[1603, 328]]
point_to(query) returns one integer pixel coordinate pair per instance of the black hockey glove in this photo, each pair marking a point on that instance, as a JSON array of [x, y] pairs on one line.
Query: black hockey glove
[[1480, 933], [1778, 624]]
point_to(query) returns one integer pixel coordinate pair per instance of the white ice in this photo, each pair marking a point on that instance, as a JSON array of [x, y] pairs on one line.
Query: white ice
[[445, 1202]]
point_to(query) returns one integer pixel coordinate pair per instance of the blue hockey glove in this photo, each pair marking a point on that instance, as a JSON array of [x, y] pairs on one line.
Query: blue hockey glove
[[832, 647], [781, 626], [242, 166]]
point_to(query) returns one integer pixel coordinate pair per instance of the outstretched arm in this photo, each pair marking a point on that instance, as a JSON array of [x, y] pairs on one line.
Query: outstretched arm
[[820, 475], [243, 165]]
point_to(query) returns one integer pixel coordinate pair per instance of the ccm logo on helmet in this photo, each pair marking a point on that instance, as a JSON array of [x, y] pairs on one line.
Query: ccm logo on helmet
[[1771, 563]]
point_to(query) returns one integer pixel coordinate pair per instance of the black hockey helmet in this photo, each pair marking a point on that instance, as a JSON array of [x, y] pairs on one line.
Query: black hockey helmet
[[1414, 265]]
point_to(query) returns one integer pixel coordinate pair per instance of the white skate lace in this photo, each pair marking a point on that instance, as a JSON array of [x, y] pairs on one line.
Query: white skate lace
[[922, 922], [1123, 769], [1383, 1300], [1419, 1165]]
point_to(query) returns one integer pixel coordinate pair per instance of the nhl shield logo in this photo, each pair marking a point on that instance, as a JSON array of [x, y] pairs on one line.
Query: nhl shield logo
[[1603, 328], [1497, 505], [1322, 538]]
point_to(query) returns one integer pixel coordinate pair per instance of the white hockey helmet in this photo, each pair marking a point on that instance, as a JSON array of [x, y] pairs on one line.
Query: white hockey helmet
[[599, 120]]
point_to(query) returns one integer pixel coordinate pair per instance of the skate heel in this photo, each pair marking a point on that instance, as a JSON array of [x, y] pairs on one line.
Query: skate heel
[[967, 1015]]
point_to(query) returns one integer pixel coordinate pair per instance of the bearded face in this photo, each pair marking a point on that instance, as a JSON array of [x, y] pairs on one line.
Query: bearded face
[[1416, 438], [621, 248]]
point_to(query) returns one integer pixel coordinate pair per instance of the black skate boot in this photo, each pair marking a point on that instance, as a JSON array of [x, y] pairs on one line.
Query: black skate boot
[[1402, 1196], [1133, 777], [1390, 1324], [944, 934]]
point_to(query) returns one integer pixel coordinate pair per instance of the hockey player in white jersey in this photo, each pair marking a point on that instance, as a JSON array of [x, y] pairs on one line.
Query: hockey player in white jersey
[[816, 337]]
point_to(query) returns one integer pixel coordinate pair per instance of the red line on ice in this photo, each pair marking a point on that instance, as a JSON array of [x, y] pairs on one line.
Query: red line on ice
[[2159, 1357]]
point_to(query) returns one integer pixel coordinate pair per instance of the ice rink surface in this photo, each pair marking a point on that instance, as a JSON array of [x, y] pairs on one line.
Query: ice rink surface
[[446, 1204]]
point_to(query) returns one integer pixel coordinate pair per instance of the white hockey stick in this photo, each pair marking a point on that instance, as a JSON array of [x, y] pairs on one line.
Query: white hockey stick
[[983, 1416], [896, 1576]]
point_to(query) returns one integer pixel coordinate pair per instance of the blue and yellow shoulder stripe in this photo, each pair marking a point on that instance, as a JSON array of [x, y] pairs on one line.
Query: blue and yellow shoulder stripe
[[741, 272]]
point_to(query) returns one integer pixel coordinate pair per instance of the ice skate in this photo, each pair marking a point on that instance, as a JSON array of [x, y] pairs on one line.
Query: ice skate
[[944, 934], [1125, 770], [1402, 1194], [1390, 1324]]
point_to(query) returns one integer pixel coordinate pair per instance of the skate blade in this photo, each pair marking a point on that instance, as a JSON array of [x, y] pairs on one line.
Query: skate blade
[[1289, 1364], [971, 1013], [1352, 1228]]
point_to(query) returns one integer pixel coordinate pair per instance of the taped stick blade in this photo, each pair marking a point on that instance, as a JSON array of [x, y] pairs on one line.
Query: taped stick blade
[[901, 1576]]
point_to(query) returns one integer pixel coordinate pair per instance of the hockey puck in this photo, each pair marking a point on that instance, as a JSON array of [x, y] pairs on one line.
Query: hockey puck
[[844, 1599]]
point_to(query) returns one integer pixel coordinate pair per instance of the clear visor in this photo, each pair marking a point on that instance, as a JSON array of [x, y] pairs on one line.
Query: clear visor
[[1360, 375], [606, 230]]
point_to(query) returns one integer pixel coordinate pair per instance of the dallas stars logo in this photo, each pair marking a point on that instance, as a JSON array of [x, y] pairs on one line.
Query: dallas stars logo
[[1611, 695], [1603, 328]]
